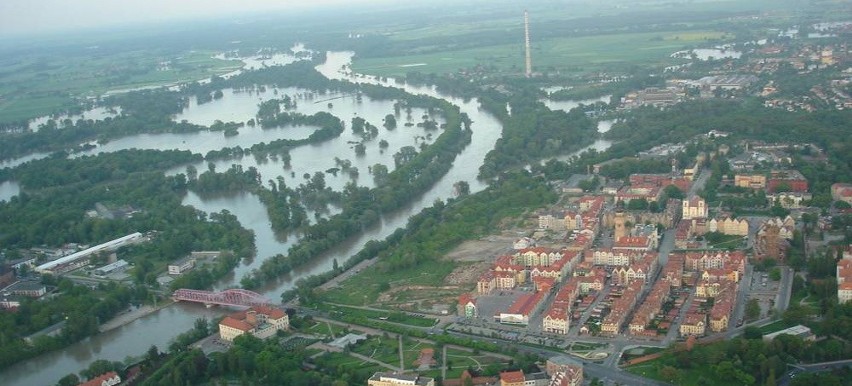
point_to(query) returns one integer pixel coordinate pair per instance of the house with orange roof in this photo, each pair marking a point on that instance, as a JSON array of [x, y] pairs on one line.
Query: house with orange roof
[[512, 378], [694, 324], [108, 379], [486, 283], [467, 306], [844, 280], [260, 321]]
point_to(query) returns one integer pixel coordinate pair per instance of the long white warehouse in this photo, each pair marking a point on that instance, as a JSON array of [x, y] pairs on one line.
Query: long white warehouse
[[59, 265]]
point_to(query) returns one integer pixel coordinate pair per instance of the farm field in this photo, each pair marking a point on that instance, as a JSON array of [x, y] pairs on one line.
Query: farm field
[[576, 54]]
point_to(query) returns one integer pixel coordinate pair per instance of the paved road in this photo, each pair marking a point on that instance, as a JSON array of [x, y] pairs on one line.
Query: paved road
[[812, 368], [699, 183], [785, 289]]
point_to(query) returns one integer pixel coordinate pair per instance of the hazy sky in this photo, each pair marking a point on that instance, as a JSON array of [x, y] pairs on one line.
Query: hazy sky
[[43, 16]]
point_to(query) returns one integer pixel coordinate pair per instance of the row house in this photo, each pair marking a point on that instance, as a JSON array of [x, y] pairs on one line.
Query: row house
[[728, 226], [538, 256], [694, 324], [610, 257], [594, 280], [700, 261], [723, 306], [635, 243], [844, 279], [555, 221], [648, 310], [785, 226], [543, 283], [641, 269], [683, 233], [486, 283], [715, 275], [613, 322], [557, 320], [591, 203], [673, 271]]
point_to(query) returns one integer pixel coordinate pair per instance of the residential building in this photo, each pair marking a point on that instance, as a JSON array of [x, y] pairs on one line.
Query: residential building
[[109, 379], [844, 280], [562, 363], [260, 321], [728, 226], [393, 379], [468, 379], [694, 324], [467, 306], [512, 378], [842, 192], [789, 200]]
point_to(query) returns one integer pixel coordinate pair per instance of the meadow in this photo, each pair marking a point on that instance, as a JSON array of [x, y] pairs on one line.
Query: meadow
[[575, 54]]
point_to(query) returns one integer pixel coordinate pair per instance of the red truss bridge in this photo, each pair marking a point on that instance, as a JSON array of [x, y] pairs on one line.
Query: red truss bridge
[[230, 297]]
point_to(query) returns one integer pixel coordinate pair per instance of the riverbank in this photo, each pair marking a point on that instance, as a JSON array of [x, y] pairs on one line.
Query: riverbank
[[129, 316]]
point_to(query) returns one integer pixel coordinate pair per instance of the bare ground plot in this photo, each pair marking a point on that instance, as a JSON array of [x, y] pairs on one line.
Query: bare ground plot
[[484, 249]]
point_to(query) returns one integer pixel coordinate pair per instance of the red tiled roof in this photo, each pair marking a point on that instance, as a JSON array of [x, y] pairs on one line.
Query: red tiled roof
[[238, 324], [97, 381], [512, 376]]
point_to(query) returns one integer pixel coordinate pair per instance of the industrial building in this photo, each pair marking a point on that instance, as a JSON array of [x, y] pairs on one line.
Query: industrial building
[[81, 258]]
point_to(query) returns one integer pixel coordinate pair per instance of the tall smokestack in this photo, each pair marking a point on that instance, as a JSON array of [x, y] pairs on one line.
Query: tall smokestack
[[527, 44]]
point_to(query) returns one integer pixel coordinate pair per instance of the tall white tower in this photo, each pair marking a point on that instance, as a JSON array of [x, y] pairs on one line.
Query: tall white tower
[[527, 44]]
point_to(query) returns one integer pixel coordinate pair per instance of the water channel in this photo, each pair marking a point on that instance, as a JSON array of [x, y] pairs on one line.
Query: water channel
[[160, 327]]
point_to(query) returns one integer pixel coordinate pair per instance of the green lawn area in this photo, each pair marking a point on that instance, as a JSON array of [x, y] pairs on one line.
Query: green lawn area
[[684, 377], [583, 54], [390, 316], [336, 360], [385, 350], [365, 287], [326, 329]]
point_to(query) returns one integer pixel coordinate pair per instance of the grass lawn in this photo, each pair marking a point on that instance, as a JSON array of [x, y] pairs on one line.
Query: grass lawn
[[581, 54], [685, 377], [390, 316], [365, 287], [326, 329]]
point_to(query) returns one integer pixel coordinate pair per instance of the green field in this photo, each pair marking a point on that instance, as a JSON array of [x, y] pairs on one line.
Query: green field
[[33, 86], [390, 316], [578, 54]]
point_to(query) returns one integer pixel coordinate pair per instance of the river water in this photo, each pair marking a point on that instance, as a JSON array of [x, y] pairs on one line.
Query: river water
[[160, 327]]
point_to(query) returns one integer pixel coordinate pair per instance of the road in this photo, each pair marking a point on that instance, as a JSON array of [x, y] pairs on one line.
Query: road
[[812, 368], [699, 183], [785, 289]]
